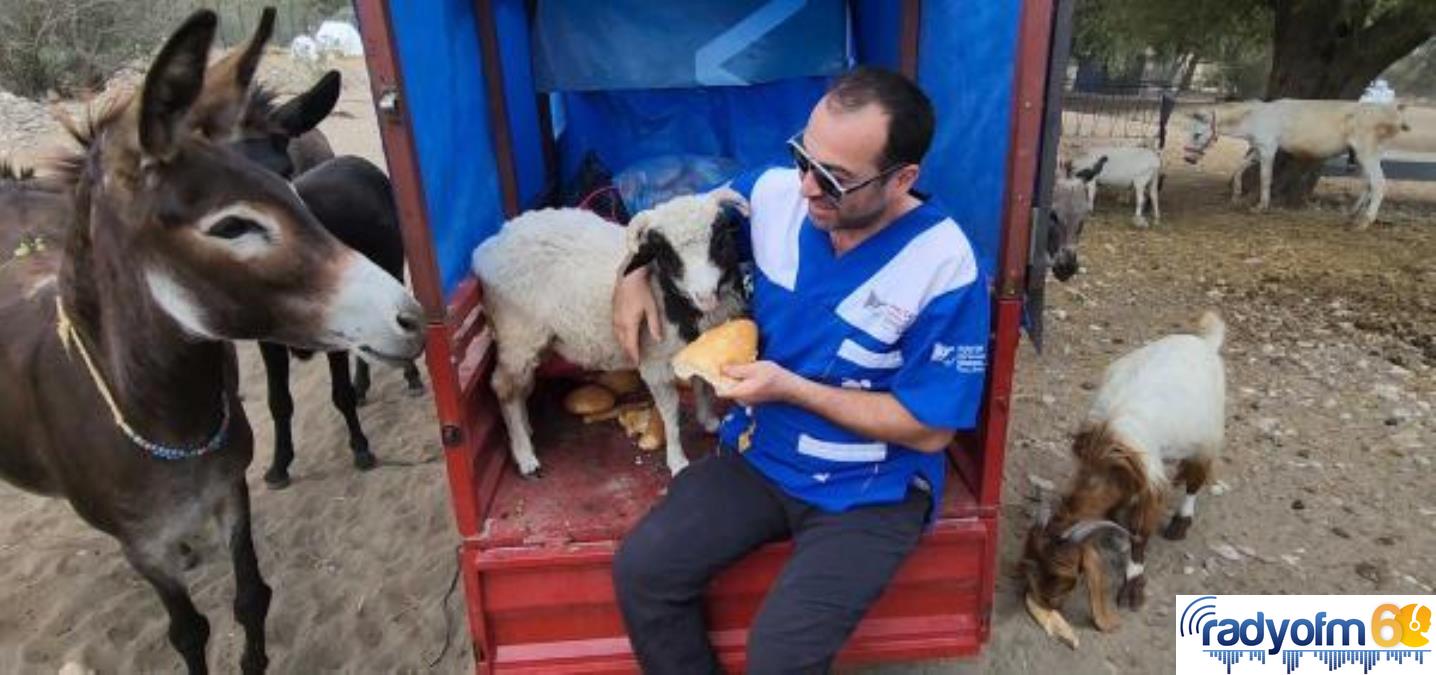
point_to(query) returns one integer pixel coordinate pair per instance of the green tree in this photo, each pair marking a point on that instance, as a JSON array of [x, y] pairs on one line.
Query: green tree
[[1326, 49]]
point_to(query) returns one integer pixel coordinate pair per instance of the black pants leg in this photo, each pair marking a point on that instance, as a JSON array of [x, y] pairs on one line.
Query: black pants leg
[[841, 563], [716, 510]]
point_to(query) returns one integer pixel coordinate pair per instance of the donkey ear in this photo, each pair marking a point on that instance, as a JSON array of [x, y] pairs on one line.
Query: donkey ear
[[307, 110], [227, 82], [174, 82]]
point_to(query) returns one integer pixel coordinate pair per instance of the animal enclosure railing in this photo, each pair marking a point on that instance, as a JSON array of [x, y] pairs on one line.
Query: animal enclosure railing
[[1134, 112]]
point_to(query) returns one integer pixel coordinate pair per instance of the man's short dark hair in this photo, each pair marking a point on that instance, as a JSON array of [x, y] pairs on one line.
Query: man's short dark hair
[[910, 116]]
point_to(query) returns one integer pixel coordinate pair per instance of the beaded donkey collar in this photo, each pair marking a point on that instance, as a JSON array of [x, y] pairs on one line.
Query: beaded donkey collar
[[68, 336]]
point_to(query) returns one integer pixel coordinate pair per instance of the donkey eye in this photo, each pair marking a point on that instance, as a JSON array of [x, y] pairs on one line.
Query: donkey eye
[[234, 228]]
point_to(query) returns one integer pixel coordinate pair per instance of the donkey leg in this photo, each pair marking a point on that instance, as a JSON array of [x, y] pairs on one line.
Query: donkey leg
[[1267, 161], [1192, 474], [189, 630], [1141, 522], [341, 391], [1247, 161], [361, 381], [1375, 190], [251, 594], [281, 408]]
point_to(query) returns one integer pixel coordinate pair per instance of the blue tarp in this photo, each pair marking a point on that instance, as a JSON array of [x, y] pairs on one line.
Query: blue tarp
[[966, 64], [641, 44]]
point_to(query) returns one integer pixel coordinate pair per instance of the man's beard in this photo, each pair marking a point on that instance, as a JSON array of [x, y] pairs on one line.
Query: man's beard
[[859, 222]]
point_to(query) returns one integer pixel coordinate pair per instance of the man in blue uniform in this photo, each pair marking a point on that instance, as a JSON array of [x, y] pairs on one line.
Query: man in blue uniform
[[873, 317]]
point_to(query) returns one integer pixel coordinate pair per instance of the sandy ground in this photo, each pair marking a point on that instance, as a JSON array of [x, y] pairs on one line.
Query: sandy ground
[[1326, 485]]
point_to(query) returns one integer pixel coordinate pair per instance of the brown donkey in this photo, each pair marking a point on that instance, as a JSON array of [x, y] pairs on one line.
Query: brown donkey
[[120, 391]]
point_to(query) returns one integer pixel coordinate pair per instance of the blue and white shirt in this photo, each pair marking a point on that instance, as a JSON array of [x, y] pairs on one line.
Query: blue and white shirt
[[906, 311]]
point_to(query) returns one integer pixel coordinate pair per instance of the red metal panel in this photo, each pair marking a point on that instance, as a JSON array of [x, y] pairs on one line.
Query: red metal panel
[[911, 37], [1033, 47], [386, 84]]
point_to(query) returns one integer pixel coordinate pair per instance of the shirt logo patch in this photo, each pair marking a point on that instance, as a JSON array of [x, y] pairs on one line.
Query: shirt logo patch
[[894, 317], [964, 358]]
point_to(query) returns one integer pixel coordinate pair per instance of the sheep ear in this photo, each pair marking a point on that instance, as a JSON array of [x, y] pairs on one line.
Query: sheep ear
[[1096, 576], [1091, 172], [729, 198], [641, 252], [641, 258]]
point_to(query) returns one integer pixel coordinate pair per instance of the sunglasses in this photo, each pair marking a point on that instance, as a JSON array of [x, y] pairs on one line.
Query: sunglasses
[[829, 184]]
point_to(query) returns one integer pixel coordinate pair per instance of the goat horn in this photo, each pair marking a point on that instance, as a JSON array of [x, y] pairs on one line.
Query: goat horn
[[1086, 528]]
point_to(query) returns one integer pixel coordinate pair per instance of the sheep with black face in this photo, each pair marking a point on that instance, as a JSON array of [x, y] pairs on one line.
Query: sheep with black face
[[548, 278]]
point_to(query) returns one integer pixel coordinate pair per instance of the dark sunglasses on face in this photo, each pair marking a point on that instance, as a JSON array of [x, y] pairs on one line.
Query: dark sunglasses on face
[[827, 182]]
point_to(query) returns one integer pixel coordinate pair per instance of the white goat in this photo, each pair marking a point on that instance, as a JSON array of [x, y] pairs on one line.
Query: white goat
[[548, 280], [1164, 402], [1307, 129], [1128, 166]]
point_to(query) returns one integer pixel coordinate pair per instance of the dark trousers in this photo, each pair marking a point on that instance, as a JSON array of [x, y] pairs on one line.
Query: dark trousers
[[719, 509]]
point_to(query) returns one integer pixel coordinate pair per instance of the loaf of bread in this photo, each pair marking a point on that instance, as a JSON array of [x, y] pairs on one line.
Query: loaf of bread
[[732, 343]]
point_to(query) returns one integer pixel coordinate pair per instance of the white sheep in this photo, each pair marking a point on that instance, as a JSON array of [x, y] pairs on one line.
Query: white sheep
[[548, 279], [1128, 166], [1164, 402]]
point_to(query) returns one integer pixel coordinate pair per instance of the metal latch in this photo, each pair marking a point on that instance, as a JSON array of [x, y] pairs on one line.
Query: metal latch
[[389, 103]]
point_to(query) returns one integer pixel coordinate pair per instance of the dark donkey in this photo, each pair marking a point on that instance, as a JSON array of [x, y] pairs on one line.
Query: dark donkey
[[120, 393], [352, 199]]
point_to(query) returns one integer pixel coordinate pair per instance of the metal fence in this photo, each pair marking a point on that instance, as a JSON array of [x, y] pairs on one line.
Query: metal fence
[[1133, 112]]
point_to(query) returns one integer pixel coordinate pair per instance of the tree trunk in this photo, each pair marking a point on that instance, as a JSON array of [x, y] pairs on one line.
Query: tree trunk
[[1328, 49], [1188, 72]]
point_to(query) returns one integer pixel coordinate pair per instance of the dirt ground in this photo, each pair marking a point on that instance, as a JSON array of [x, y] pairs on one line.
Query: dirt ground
[[1326, 485]]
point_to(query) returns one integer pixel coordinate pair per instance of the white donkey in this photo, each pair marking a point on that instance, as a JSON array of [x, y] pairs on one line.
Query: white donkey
[[1311, 129]]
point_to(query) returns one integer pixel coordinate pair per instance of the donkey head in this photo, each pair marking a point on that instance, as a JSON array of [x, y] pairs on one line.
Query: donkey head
[[1201, 133], [1070, 208], [223, 248], [266, 134]]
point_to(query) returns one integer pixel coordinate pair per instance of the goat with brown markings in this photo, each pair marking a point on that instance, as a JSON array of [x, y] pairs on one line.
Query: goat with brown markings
[[1163, 403]]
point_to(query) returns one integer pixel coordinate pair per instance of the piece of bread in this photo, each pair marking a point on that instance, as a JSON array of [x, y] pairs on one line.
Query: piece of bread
[[1053, 622], [732, 343], [588, 400], [620, 382]]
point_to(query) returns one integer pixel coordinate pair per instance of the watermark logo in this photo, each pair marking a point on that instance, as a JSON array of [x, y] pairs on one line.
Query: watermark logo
[[1253, 634]]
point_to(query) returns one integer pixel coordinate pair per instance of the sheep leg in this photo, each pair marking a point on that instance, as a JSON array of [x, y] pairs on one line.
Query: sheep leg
[[513, 381], [1192, 473], [1141, 521], [1154, 186], [703, 406], [1139, 187], [658, 375]]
